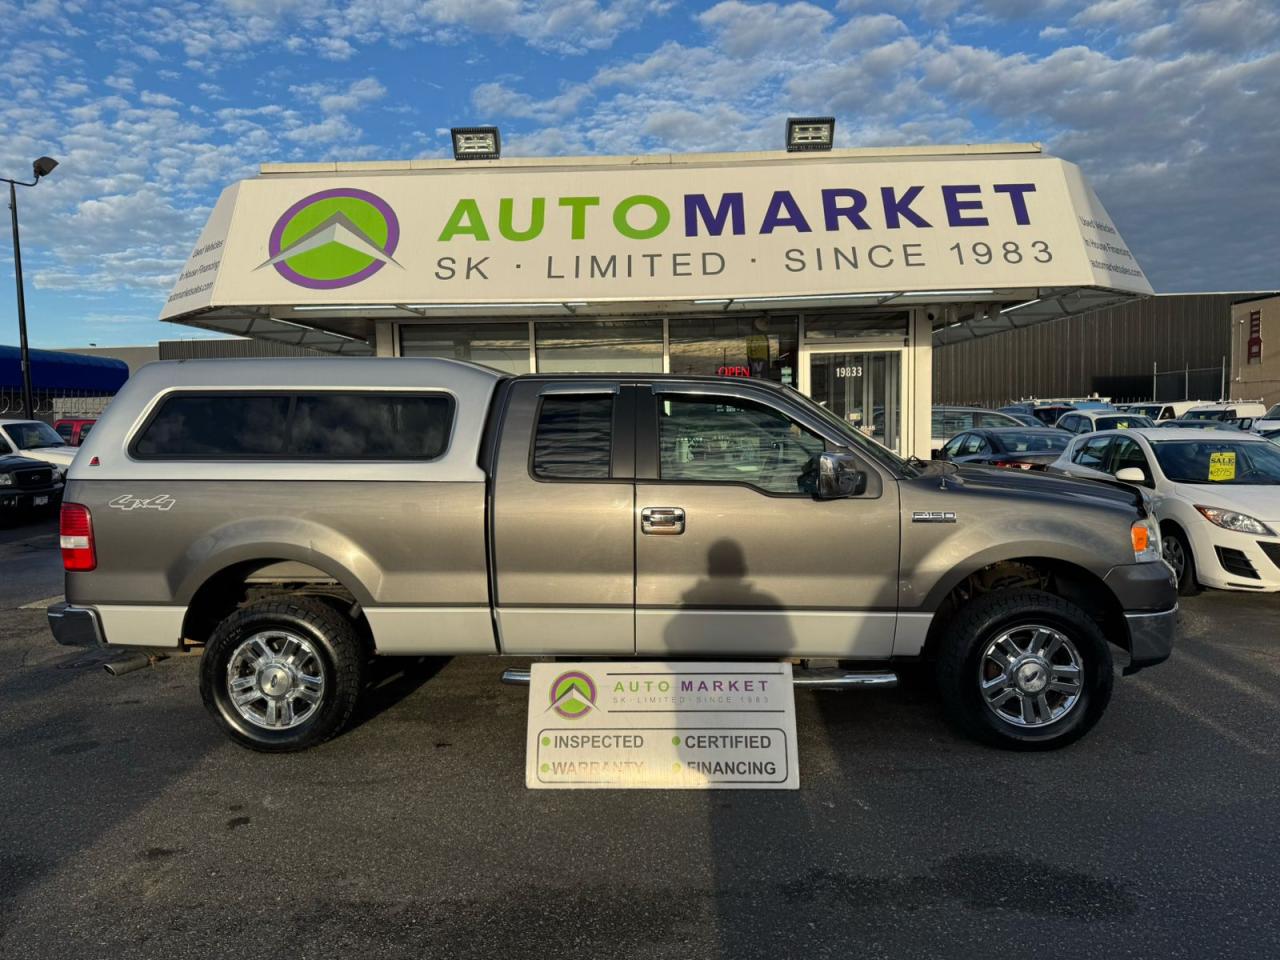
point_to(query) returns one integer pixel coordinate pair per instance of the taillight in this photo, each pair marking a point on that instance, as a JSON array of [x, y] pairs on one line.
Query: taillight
[[75, 531]]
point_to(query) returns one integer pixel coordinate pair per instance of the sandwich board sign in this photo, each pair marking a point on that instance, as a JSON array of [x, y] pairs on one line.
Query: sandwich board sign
[[660, 725]]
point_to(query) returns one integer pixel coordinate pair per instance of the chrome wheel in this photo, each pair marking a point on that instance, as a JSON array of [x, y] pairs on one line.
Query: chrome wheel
[[275, 680], [1175, 556], [1031, 676]]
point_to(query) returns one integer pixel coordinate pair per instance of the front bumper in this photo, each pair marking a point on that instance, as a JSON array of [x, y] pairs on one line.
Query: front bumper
[[75, 626], [22, 500], [1151, 638]]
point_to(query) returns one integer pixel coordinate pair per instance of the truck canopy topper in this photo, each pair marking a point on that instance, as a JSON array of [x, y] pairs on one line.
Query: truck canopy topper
[[437, 507]]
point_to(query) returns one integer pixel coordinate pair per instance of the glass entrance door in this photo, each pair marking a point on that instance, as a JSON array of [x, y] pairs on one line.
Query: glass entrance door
[[863, 388]]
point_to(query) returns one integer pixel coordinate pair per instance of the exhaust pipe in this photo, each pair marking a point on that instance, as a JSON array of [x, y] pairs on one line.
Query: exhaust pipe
[[118, 668]]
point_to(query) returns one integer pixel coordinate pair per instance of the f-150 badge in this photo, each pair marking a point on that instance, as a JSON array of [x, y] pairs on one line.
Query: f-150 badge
[[161, 501], [933, 516]]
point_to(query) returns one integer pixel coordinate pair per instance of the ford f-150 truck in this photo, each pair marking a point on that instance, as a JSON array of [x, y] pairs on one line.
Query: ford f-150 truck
[[299, 517]]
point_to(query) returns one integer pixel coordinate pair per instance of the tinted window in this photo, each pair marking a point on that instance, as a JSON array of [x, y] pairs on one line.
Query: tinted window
[[1036, 441], [574, 439], [314, 426], [974, 444], [84, 430], [64, 430], [724, 440], [1093, 453], [952, 448]]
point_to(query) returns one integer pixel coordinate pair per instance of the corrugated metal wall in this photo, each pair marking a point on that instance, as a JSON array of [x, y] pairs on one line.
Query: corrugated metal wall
[[213, 348], [1108, 351]]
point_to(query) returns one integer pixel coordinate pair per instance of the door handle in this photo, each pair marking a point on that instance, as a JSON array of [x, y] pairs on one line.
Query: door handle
[[662, 521]]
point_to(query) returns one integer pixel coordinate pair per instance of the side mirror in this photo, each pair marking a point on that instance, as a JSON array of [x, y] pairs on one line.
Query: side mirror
[[1131, 475], [839, 477]]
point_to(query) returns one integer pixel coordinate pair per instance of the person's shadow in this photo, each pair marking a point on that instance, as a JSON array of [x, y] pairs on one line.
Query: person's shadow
[[724, 615]]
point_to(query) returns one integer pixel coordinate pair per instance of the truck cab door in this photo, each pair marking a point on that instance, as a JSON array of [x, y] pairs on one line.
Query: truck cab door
[[562, 498], [734, 554]]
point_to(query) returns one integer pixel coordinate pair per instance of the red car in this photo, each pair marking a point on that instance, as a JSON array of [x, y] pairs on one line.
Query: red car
[[74, 430]]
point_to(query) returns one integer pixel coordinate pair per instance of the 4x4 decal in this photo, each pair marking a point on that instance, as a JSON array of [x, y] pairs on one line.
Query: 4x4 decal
[[161, 501]]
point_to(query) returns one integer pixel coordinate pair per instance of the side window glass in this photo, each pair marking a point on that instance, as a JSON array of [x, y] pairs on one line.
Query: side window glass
[[216, 426], [721, 440], [1128, 454], [574, 438], [1093, 453], [64, 430], [974, 444], [952, 449]]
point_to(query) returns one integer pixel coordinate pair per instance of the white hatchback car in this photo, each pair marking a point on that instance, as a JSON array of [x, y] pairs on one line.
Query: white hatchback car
[[1216, 494]]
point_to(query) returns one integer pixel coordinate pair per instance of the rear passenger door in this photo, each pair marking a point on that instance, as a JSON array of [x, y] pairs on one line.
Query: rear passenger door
[[561, 508]]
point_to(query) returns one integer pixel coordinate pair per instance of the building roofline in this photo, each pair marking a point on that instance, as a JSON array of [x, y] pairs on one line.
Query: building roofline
[[657, 159]]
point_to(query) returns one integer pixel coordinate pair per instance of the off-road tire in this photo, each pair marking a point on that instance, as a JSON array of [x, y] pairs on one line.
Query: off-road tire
[[981, 621], [338, 646]]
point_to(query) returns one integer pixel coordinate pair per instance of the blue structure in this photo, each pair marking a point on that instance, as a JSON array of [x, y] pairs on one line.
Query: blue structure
[[53, 372]]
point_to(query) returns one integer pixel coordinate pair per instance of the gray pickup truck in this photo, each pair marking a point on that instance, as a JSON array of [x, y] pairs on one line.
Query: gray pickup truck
[[298, 517]]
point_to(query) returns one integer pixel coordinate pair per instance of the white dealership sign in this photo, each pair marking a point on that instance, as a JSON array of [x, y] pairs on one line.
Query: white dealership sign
[[661, 725], [654, 231]]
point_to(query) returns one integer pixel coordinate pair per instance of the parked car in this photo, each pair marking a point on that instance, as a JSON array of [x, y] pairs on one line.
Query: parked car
[[1021, 447], [73, 431], [295, 516], [35, 439], [1268, 421], [1228, 410], [948, 421], [1027, 420], [1087, 421], [1052, 413], [1215, 493], [27, 488], [1159, 412]]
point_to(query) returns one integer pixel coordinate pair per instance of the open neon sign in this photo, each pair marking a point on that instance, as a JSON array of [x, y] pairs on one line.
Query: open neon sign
[[734, 371]]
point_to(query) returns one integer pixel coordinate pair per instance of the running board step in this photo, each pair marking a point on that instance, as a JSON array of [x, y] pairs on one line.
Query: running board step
[[822, 678]]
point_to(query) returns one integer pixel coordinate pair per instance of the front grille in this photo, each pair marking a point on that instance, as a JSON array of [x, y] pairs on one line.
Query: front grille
[[33, 478], [1272, 550], [1236, 563]]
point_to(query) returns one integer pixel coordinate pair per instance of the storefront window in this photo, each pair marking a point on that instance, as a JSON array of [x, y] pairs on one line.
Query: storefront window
[[856, 326], [504, 346], [627, 346], [759, 347]]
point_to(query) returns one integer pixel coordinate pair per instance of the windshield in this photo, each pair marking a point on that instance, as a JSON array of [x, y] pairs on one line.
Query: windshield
[[1033, 441], [33, 436], [1205, 415], [1123, 421], [1219, 461], [1145, 409], [1273, 413], [857, 439]]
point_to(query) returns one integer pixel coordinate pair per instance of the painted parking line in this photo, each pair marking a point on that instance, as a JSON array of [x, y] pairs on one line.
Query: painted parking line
[[41, 604]]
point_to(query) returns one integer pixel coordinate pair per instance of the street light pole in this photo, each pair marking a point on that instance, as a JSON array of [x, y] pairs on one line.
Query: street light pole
[[41, 168], [28, 409]]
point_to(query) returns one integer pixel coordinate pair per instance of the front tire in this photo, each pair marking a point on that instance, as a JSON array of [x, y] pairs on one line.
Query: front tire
[[283, 674], [1024, 670], [1177, 553]]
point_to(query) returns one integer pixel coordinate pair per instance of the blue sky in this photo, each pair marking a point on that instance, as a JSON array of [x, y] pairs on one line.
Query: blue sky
[[1171, 108]]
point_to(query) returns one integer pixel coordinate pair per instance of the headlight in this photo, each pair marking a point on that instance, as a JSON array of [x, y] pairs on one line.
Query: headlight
[[1238, 522], [6, 479], [1145, 536]]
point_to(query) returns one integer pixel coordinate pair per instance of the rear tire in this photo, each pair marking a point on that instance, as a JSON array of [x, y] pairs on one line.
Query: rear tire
[[283, 674], [1024, 670]]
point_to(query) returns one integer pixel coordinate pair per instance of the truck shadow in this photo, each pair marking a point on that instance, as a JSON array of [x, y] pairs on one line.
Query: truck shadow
[[391, 680]]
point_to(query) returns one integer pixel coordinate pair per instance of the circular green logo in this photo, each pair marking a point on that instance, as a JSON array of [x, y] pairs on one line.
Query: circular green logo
[[333, 238], [573, 694]]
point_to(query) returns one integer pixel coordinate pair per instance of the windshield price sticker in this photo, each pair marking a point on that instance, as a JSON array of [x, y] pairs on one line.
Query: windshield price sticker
[[685, 726], [1222, 466]]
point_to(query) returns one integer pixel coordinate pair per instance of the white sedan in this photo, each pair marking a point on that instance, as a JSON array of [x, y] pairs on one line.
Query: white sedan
[[1215, 493]]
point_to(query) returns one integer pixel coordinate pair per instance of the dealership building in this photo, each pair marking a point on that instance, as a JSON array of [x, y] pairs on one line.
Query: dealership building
[[836, 272]]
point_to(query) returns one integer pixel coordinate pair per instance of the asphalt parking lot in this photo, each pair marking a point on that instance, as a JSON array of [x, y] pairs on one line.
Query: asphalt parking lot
[[131, 828]]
